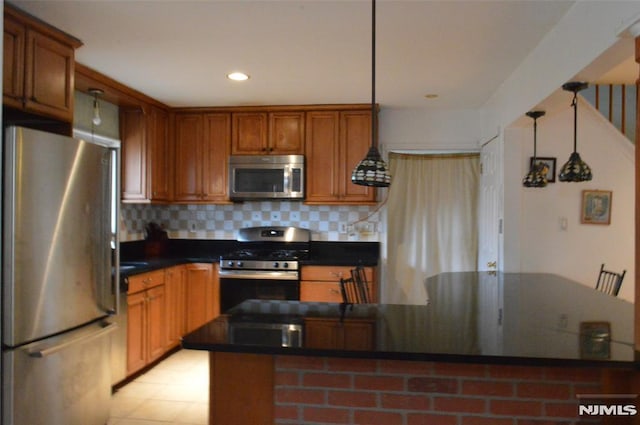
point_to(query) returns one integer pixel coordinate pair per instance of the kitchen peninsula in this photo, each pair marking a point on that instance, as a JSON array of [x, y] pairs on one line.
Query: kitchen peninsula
[[486, 348]]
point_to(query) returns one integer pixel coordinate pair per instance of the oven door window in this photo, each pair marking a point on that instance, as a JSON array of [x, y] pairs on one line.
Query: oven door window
[[235, 291], [259, 180]]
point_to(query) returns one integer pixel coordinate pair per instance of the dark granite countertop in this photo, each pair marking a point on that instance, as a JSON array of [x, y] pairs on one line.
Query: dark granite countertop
[[135, 258], [512, 318]]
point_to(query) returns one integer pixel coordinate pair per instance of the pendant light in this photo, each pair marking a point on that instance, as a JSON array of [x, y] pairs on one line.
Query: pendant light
[[96, 119], [536, 177], [372, 170], [575, 170]]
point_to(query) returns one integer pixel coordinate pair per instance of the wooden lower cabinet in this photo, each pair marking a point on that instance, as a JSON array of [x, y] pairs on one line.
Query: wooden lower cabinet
[[336, 334], [146, 321], [202, 294], [322, 283], [164, 305], [176, 304]]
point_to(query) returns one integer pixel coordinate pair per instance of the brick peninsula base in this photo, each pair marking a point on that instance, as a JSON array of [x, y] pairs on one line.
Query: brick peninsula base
[[275, 389]]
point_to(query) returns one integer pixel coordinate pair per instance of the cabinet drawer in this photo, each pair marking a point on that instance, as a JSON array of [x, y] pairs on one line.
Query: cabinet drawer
[[143, 281], [319, 291], [331, 273]]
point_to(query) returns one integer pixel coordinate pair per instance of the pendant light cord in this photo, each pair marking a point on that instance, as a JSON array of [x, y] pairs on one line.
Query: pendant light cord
[[574, 103], [374, 125], [535, 139]]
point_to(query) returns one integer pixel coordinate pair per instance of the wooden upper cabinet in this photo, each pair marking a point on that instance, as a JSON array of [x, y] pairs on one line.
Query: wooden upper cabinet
[[146, 154], [355, 140], [272, 133], [202, 148], [133, 135], [38, 69], [13, 63], [335, 142], [160, 152], [286, 133], [217, 138]]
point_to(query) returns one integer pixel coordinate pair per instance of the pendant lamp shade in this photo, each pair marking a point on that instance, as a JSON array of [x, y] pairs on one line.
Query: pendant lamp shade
[[537, 176], [575, 169], [372, 170]]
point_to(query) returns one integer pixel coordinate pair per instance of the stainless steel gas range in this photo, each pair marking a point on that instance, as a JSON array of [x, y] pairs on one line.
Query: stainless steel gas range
[[267, 266]]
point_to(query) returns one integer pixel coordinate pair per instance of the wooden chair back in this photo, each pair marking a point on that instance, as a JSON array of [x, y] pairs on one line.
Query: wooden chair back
[[609, 282]]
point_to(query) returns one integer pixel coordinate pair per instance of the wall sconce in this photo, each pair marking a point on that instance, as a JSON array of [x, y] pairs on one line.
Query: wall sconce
[[97, 119], [575, 170], [372, 170], [536, 177]]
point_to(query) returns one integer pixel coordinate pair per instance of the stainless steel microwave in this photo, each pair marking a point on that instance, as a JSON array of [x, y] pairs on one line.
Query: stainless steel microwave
[[266, 177]]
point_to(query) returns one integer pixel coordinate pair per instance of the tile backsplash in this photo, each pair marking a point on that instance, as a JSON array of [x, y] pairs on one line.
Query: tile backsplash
[[327, 223]]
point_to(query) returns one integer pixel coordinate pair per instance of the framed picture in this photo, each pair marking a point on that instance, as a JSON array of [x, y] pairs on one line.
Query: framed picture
[[595, 340], [549, 165], [596, 207]]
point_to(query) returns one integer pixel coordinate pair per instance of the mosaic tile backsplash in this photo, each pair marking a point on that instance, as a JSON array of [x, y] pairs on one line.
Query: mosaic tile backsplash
[[327, 223]]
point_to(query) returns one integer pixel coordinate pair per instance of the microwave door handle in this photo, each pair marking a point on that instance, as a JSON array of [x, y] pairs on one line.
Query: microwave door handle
[[285, 183]]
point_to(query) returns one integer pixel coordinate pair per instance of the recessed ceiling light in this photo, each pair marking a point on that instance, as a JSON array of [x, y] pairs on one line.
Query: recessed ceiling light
[[431, 96], [238, 76]]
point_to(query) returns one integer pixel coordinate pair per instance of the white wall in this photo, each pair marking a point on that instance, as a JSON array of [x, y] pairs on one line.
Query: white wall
[[535, 241], [426, 129]]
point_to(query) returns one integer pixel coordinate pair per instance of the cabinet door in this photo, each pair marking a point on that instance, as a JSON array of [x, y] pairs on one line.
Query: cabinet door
[[133, 135], [322, 334], [212, 295], [198, 282], [175, 293], [49, 76], [156, 322], [249, 133], [136, 332], [13, 63], [286, 133], [322, 148], [216, 141], [160, 165], [355, 139], [189, 154], [358, 335]]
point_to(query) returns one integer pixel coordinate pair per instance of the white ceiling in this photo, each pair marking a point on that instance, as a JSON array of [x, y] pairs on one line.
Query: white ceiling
[[305, 51]]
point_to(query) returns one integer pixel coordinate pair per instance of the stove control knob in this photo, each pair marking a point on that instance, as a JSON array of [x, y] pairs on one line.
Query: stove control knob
[[240, 264], [276, 265], [230, 263], [285, 265]]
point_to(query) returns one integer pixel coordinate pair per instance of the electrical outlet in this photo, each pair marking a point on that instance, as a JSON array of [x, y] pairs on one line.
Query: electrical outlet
[[563, 321], [192, 226]]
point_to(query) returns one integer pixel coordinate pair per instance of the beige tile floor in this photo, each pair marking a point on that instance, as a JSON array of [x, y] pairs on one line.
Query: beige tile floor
[[175, 392]]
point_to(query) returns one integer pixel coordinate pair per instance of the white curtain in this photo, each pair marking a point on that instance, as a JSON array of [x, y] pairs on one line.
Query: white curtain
[[432, 221]]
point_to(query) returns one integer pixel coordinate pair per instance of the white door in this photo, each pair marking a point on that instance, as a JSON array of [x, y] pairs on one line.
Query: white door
[[490, 207]]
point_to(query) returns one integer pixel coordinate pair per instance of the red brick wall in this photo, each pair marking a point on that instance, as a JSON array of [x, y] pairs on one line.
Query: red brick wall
[[322, 390]]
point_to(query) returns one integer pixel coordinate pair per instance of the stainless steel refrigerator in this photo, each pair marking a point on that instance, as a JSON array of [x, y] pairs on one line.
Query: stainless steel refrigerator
[[59, 275]]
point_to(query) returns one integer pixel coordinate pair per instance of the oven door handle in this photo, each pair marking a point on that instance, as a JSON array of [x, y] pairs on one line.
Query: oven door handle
[[259, 274]]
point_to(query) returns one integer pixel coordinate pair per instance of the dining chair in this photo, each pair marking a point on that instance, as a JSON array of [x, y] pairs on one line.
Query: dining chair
[[349, 290], [609, 282], [360, 277]]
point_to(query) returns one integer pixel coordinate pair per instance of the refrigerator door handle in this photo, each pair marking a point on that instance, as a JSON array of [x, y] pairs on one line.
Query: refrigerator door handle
[[44, 350]]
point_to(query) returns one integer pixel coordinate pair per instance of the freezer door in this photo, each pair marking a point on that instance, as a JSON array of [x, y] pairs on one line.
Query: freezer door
[[58, 239], [60, 380]]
